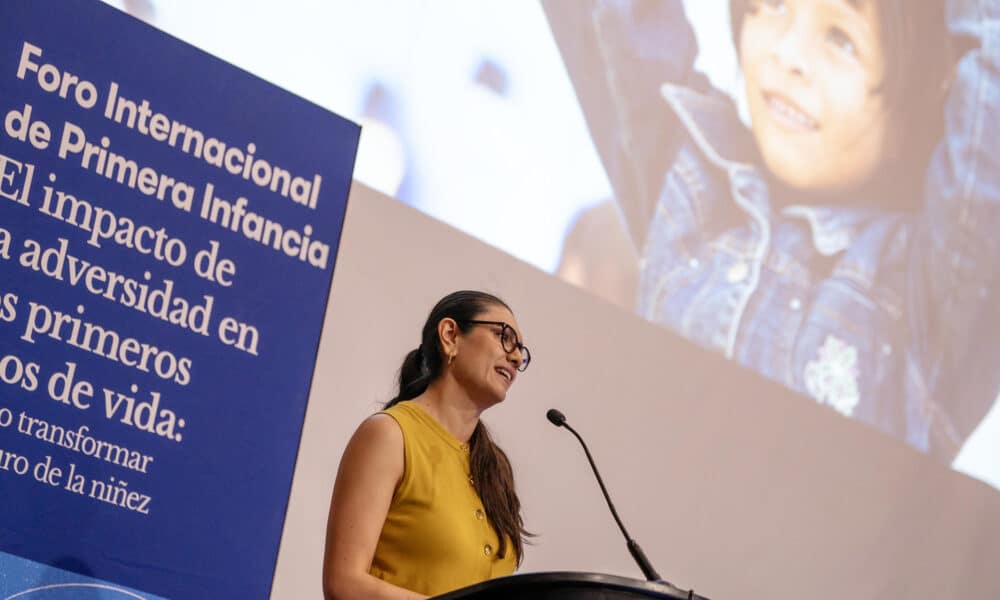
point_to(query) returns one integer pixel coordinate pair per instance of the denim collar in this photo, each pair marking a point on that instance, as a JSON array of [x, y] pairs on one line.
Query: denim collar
[[711, 120], [834, 228]]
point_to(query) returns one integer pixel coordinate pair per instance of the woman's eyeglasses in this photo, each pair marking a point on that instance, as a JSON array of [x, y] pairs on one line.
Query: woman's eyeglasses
[[508, 340]]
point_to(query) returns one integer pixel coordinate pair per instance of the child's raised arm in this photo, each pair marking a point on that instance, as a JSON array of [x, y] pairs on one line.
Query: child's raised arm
[[617, 54], [958, 254]]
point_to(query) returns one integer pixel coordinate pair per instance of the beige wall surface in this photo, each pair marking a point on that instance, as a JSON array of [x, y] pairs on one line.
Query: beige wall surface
[[733, 485]]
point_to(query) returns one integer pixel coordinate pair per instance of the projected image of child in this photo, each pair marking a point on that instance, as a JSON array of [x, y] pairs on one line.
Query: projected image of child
[[845, 243]]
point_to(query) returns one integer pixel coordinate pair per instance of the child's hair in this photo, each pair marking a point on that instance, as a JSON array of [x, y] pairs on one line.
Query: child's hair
[[919, 67]]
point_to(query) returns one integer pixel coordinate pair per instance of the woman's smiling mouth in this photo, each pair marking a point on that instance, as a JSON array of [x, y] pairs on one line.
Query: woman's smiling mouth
[[506, 374]]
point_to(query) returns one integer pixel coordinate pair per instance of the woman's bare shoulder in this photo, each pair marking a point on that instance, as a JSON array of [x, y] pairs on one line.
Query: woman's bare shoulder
[[377, 438]]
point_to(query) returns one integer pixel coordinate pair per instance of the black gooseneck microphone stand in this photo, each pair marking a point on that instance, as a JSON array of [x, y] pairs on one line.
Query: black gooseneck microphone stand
[[559, 420]]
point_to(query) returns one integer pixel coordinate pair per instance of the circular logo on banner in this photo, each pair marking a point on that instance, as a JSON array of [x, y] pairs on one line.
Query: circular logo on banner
[[76, 591]]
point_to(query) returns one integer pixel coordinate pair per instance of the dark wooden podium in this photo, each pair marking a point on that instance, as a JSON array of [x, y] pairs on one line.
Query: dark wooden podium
[[567, 586]]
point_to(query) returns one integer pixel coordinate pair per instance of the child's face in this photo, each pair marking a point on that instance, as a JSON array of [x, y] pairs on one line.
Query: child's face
[[812, 68]]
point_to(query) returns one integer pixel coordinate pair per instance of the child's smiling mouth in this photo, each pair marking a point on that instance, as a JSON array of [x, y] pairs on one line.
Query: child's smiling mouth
[[788, 114]]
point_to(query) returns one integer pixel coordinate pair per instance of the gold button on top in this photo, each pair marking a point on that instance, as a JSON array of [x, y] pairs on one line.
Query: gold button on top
[[465, 447], [480, 514], [488, 550]]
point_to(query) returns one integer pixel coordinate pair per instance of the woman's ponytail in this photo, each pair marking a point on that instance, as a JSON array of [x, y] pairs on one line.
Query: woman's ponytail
[[414, 376]]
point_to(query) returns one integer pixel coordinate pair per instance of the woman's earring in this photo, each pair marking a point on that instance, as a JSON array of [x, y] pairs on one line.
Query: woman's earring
[[451, 357]]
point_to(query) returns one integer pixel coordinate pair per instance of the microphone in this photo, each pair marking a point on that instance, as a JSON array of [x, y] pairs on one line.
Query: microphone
[[559, 420]]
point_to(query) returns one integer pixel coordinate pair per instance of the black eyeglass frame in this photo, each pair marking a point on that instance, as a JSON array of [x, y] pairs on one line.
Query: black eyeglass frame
[[525, 353]]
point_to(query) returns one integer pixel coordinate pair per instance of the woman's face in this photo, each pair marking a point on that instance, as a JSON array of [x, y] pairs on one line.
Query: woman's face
[[481, 365], [812, 71]]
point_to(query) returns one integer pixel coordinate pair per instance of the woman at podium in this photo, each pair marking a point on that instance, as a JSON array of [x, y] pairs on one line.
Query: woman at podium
[[424, 501]]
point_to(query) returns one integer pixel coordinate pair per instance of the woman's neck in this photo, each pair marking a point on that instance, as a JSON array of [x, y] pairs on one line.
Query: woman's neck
[[452, 407]]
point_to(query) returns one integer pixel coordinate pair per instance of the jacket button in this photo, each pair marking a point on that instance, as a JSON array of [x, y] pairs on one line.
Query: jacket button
[[737, 272], [488, 550], [480, 515]]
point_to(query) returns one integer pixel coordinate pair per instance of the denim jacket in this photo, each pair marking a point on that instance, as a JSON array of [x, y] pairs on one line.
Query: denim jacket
[[887, 317]]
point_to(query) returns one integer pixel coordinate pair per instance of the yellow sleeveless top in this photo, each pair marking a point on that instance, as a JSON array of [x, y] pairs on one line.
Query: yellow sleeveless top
[[436, 537]]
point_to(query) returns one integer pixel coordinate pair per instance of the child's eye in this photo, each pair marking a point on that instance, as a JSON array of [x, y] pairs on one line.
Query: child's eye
[[775, 5], [842, 42]]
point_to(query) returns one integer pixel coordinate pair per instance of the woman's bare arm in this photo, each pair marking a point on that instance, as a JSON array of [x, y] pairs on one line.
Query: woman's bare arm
[[370, 469]]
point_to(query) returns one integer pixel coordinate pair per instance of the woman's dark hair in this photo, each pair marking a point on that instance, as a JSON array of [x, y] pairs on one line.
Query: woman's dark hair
[[492, 475], [920, 61]]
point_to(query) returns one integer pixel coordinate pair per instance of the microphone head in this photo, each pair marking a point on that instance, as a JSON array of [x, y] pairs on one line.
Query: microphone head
[[555, 417]]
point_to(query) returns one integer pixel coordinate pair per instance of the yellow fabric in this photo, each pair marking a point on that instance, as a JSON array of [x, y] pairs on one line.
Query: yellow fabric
[[436, 537]]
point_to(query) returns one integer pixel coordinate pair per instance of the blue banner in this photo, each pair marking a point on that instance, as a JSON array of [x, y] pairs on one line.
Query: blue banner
[[168, 230]]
